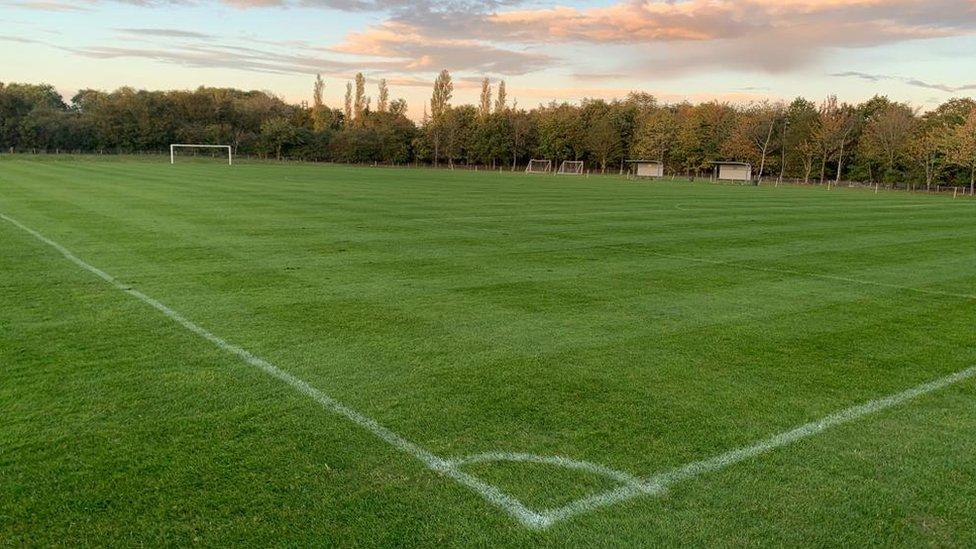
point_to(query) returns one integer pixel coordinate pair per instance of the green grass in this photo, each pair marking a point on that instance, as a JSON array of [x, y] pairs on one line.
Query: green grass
[[640, 326]]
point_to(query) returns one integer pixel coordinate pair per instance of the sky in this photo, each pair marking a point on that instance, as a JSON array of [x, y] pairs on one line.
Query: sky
[[740, 51]]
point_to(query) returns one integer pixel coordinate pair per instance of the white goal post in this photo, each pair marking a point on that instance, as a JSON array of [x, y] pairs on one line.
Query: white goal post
[[539, 166], [571, 167], [174, 146]]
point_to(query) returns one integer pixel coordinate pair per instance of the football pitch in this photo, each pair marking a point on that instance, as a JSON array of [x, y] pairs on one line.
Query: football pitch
[[287, 354]]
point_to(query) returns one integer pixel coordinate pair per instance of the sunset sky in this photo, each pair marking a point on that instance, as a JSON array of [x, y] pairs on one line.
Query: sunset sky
[[916, 51]]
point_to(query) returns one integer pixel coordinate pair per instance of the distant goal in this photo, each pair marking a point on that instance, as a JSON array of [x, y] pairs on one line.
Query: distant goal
[[571, 167], [539, 166], [212, 148]]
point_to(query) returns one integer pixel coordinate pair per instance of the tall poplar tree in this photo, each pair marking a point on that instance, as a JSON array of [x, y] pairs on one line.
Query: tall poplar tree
[[359, 104], [502, 98], [382, 105], [484, 107], [321, 115], [440, 103], [347, 106]]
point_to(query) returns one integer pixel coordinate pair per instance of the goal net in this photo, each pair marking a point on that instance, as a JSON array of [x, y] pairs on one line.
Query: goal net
[[205, 151], [539, 166], [571, 167]]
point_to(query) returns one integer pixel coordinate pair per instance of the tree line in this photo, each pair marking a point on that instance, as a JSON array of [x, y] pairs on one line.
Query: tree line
[[878, 140]]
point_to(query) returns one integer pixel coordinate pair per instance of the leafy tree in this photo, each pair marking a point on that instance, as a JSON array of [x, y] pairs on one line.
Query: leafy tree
[[322, 116], [560, 133], [492, 139], [359, 104], [317, 91], [836, 123], [394, 133], [602, 138], [31, 116], [311, 145], [642, 102], [382, 104], [876, 139], [887, 135], [702, 131], [347, 111], [279, 133], [925, 147], [458, 125], [961, 147], [440, 103], [484, 106], [753, 134], [937, 128], [501, 100], [953, 112], [523, 130], [355, 144], [399, 107], [799, 145], [655, 135]]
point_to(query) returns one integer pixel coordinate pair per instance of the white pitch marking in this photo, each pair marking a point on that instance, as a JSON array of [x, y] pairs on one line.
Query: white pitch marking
[[659, 483], [559, 461], [490, 493]]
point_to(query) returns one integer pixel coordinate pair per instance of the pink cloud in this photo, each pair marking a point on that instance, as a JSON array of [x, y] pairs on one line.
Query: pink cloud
[[833, 22], [670, 37], [420, 52], [659, 38], [665, 37]]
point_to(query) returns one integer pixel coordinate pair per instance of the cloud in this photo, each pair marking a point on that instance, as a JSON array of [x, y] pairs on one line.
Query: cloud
[[631, 38], [401, 44], [906, 80], [634, 22], [378, 6], [659, 37], [863, 76], [52, 5], [402, 6], [373, 53], [765, 35], [601, 76], [18, 39], [419, 52], [429, 35], [225, 57], [166, 33]]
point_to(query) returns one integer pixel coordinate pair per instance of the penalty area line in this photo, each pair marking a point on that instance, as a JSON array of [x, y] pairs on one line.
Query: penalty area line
[[488, 492]]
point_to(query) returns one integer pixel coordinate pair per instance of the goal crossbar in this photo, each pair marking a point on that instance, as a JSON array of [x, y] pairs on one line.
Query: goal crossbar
[[174, 146]]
